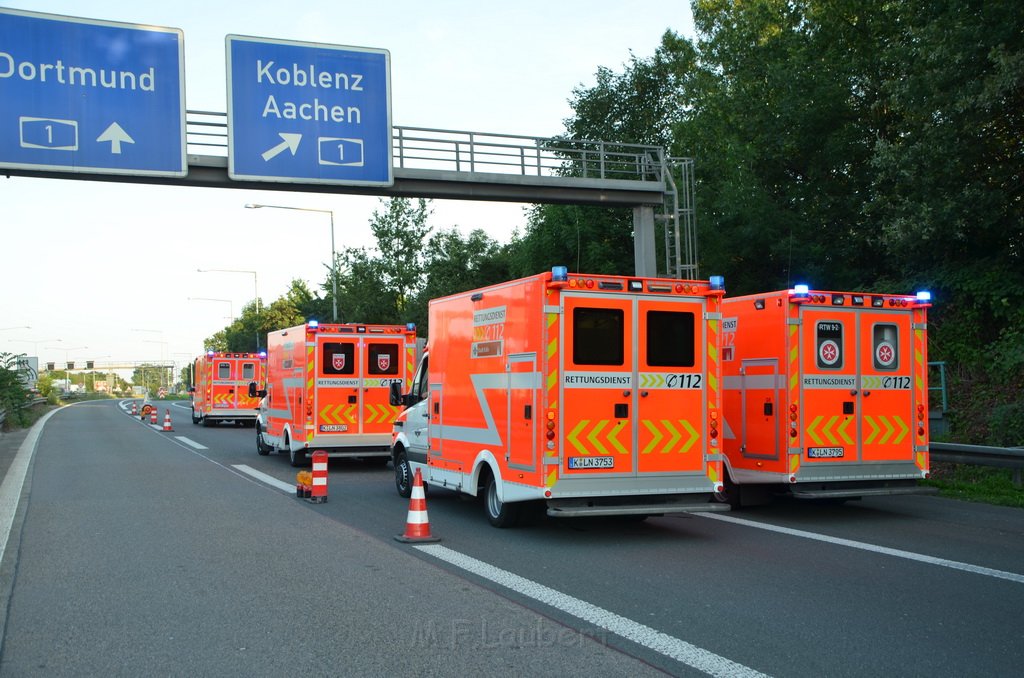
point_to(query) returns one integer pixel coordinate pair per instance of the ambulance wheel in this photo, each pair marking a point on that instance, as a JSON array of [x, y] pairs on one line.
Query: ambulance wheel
[[297, 458], [261, 447], [207, 423], [195, 419], [403, 475], [499, 513]]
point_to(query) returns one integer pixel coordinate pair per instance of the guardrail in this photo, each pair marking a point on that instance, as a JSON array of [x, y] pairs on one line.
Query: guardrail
[[981, 455], [461, 151], [34, 401]]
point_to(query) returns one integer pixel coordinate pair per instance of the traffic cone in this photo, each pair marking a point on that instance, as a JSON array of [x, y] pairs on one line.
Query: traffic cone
[[152, 416], [417, 525], [135, 410], [167, 421]]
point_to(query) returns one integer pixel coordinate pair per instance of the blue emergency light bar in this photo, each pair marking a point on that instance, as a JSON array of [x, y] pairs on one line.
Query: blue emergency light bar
[[801, 290], [313, 324], [263, 354], [411, 327], [559, 273], [924, 296], [717, 282]]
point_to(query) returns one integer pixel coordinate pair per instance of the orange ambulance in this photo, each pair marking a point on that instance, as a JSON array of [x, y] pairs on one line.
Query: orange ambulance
[[220, 387], [327, 388], [825, 394], [582, 394]]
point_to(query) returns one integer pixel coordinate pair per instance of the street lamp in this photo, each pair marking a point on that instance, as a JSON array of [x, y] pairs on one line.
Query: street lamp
[[35, 343], [231, 305], [255, 287], [334, 265], [163, 360]]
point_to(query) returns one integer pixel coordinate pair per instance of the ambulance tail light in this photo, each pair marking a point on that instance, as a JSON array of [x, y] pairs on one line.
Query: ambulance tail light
[[717, 282], [713, 427], [793, 416], [550, 433]]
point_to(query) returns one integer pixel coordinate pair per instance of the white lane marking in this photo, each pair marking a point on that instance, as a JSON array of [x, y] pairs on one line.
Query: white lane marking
[[191, 443], [14, 481], [909, 555], [680, 650], [263, 477]]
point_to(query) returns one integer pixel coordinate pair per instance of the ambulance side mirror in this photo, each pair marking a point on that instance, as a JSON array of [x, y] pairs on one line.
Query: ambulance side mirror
[[395, 398], [256, 393]]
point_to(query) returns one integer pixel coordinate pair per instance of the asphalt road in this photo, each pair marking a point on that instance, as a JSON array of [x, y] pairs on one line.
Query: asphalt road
[[144, 552]]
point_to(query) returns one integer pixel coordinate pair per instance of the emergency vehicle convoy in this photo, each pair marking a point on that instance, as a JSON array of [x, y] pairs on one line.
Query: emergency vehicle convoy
[[590, 394], [327, 388], [221, 387], [825, 394]]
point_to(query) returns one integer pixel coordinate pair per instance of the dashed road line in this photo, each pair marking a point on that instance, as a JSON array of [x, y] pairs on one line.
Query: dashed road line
[[264, 478]]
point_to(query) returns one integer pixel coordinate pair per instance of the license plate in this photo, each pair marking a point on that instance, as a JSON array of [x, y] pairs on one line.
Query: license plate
[[333, 428], [591, 462], [824, 452]]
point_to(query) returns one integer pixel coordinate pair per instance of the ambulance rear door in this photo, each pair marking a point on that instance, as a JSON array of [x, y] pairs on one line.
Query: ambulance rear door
[[338, 373], [671, 385], [382, 365], [886, 385]]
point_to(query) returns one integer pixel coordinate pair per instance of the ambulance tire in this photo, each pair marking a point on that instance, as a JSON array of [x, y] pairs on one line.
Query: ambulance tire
[[499, 514], [206, 422], [403, 474], [298, 459], [261, 447], [195, 419]]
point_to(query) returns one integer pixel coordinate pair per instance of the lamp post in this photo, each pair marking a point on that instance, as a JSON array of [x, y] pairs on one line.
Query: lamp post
[[255, 288], [163, 360], [334, 263]]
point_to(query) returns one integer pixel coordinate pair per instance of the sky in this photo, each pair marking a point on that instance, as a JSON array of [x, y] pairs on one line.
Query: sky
[[107, 271]]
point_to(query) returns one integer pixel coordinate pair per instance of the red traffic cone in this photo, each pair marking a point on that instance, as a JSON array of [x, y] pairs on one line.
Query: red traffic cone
[[167, 420], [152, 416], [417, 525], [135, 410]]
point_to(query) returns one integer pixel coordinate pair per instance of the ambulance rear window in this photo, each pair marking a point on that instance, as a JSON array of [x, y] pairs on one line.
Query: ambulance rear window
[[223, 370], [383, 359], [248, 370], [338, 358], [670, 339], [597, 336]]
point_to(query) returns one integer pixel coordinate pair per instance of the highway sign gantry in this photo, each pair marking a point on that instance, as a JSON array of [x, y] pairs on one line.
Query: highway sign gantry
[[84, 95], [304, 112]]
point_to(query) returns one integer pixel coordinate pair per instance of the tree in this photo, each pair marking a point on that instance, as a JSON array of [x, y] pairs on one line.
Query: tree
[[13, 394], [377, 285], [248, 332]]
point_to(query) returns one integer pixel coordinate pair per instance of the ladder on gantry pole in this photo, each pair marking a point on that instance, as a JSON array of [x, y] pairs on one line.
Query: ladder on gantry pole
[[678, 219]]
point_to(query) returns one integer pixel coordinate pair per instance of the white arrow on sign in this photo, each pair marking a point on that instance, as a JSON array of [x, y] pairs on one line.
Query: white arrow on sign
[[290, 141], [116, 135]]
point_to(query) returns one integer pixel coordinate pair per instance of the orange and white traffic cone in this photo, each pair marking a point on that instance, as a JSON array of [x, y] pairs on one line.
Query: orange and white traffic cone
[[417, 525], [152, 416], [135, 410], [167, 421]]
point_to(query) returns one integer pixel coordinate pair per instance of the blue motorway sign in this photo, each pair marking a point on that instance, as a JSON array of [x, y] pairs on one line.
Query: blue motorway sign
[[308, 113], [82, 95]]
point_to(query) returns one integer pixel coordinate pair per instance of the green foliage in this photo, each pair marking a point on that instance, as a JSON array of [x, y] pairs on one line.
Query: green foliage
[[248, 333], [977, 483], [14, 397]]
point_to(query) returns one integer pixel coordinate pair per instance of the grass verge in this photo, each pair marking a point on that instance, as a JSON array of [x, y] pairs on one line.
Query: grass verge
[[977, 483]]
